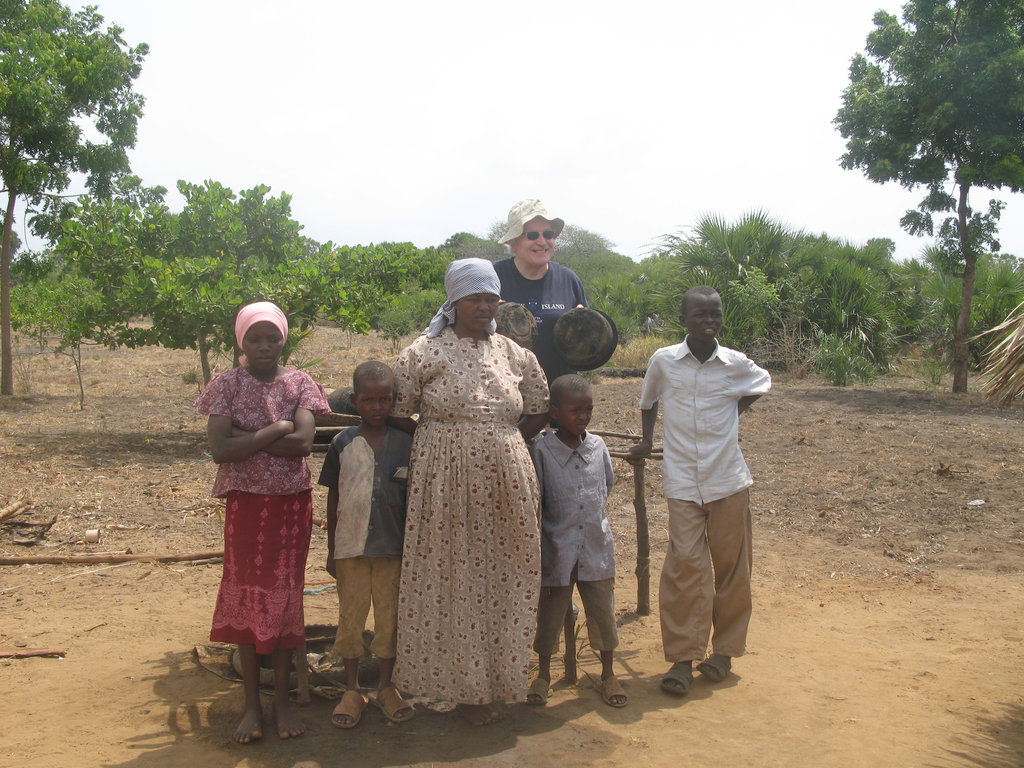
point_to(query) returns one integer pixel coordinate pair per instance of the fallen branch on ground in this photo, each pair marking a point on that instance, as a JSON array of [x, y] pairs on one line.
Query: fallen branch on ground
[[14, 509], [24, 653], [59, 559]]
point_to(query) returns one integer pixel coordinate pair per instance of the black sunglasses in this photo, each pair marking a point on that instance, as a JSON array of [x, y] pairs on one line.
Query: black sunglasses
[[548, 235]]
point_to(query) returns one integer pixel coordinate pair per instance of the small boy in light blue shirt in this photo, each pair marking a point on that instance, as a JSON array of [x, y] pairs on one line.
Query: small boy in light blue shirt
[[575, 473]]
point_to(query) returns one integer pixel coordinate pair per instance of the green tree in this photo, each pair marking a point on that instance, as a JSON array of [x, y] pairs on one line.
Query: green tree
[[66, 107], [60, 306], [465, 245], [604, 266], [228, 250], [575, 244], [107, 241], [998, 288], [938, 102]]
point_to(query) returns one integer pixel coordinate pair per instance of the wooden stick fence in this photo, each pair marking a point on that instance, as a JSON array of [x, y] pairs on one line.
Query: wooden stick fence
[[643, 533]]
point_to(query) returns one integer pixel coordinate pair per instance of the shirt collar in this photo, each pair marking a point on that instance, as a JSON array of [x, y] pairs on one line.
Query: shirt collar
[[684, 351], [563, 452]]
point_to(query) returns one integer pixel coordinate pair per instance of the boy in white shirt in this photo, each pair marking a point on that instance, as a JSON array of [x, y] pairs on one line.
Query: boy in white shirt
[[705, 582]]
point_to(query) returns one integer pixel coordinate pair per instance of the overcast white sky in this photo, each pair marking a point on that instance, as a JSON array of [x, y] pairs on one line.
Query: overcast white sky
[[410, 121]]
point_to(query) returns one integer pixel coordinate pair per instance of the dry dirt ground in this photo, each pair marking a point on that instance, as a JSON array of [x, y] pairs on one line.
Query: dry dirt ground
[[889, 578]]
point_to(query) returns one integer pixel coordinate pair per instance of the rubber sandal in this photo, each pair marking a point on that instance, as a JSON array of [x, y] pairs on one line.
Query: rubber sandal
[[678, 679], [611, 689], [715, 667], [539, 693], [351, 706], [395, 708]]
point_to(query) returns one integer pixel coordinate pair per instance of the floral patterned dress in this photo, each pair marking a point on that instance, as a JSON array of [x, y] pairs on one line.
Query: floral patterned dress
[[471, 565]]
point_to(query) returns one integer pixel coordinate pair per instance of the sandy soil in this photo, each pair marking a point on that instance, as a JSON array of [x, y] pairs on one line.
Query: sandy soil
[[886, 632]]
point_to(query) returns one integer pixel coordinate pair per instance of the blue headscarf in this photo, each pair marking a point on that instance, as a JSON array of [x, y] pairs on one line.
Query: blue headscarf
[[464, 278]]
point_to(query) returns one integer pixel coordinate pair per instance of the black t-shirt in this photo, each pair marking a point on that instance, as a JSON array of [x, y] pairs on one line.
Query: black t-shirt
[[548, 299]]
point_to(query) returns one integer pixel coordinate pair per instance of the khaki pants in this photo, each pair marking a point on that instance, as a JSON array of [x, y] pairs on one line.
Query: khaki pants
[[362, 580], [598, 598], [705, 582]]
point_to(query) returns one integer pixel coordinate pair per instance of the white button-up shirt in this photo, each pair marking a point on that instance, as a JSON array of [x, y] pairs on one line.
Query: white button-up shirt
[[700, 419]]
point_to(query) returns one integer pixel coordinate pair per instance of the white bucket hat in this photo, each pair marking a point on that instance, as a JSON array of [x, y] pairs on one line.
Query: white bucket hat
[[525, 211]]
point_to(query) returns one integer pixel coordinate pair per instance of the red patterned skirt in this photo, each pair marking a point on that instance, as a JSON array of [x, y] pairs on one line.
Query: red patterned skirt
[[266, 540]]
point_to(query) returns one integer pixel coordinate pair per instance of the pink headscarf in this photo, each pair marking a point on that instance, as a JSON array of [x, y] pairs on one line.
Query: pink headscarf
[[258, 312]]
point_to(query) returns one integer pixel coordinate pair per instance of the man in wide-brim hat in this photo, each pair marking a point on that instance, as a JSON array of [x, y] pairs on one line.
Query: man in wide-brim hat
[[531, 278]]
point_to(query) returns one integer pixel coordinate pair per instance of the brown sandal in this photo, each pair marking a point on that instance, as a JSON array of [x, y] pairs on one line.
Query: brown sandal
[[715, 667], [351, 706], [612, 693], [395, 708], [539, 693]]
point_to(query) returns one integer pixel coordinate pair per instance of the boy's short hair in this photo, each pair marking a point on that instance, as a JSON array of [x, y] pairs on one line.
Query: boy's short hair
[[697, 290], [371, 370], [569, 384]]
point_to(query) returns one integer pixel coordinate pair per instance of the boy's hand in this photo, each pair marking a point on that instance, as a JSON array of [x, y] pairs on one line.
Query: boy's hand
[[637, 453], [331, 569]]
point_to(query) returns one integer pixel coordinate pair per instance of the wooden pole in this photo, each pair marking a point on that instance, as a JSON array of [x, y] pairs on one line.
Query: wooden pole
[[109, 558], [643, 543], [569, 659], [622, 435]]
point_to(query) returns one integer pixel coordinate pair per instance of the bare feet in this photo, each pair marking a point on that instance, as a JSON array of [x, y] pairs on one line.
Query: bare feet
[[479, 714], [250, 728], [289, 724]]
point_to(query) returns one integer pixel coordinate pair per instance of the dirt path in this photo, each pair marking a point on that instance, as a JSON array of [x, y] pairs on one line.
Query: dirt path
[[886, 630]]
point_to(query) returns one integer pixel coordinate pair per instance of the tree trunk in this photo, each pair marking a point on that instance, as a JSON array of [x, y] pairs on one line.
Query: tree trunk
[[204, 359], [963, 323], [76, 356], [6, 339]]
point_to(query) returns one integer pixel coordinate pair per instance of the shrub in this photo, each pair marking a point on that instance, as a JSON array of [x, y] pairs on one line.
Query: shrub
[[635, 352], [840, 362]]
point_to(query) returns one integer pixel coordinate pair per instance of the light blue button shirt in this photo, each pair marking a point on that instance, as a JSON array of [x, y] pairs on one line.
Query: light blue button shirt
[[575, 530]]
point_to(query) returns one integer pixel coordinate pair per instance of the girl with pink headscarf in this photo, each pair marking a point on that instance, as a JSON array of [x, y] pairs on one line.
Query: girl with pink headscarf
[[260, 428]]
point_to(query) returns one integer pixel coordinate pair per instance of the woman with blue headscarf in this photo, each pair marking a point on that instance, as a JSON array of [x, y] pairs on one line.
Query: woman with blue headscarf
[[471, 564]]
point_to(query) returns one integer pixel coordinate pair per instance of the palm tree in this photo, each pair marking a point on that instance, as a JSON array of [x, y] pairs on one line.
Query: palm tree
[[727, 250], [733, 258], [1004, 368]]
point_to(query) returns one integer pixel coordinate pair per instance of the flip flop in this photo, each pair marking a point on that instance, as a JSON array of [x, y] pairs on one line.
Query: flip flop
[[611, 689], [678, 679], [351, 706], [715, 667], [540, 691], [394, 707]]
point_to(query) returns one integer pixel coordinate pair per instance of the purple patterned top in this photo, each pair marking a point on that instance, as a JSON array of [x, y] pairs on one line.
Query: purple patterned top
[[253, 404]]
